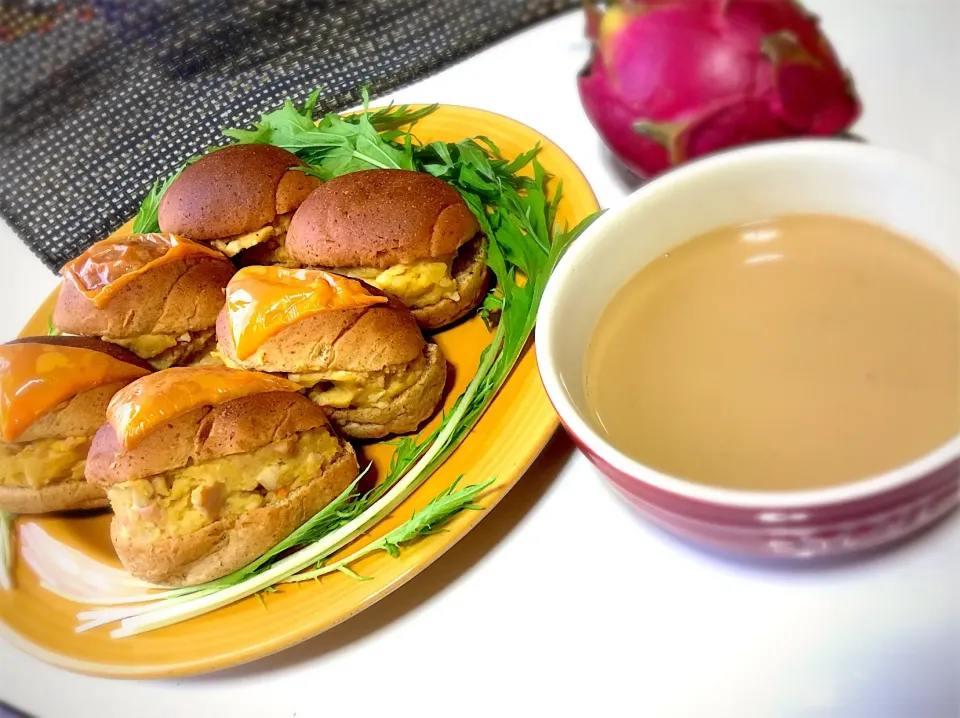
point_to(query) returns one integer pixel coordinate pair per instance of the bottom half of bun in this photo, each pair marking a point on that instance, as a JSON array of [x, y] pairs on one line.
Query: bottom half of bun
[[403, 413], [71, 495], [471, 275], [227, 544]]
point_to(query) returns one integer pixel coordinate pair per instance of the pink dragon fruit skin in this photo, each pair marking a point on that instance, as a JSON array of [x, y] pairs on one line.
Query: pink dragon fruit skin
[[671, 80]]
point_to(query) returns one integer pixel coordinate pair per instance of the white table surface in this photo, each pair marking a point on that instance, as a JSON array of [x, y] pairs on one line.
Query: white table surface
[[563, 600]]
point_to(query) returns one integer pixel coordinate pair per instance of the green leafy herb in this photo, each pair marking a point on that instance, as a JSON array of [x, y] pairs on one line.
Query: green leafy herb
[[52, 331], [147, 220], [428, 520]]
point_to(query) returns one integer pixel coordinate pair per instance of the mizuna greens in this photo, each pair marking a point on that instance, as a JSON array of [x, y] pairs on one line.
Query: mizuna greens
[[516, 212]]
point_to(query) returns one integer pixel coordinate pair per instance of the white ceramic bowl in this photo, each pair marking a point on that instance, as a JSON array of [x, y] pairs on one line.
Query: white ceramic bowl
[[759, 182]]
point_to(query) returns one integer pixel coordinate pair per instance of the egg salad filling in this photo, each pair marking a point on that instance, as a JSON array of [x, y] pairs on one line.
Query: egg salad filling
[[35, 464], [185, 500], [162, 351], [276, 233], [342, 389], [417, 285]]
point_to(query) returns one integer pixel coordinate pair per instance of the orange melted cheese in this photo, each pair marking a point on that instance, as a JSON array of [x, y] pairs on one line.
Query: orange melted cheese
[[142, 406], [262, 301], [101, 271], [35, 378]]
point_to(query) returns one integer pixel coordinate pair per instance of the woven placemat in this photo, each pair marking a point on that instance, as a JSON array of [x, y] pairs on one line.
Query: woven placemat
[[99, 98]]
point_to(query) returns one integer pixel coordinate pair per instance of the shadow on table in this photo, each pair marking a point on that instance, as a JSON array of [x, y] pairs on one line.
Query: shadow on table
[[460, 559], [627, 179]]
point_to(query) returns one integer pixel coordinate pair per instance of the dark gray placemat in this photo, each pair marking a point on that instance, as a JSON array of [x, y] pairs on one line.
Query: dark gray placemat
[[99, 98]]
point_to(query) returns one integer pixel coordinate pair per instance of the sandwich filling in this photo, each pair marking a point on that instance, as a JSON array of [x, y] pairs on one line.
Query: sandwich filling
[[163, 351], [185, 500], [361, 389], [416, 285], [39, 463], [274, 234]]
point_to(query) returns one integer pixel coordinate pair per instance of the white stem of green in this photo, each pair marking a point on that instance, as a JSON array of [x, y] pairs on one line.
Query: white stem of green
[[7, 550], [107, 600], [104, 616], [179, 610]]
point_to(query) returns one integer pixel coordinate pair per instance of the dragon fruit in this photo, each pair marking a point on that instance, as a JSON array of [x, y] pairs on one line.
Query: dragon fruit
[[671, 80]]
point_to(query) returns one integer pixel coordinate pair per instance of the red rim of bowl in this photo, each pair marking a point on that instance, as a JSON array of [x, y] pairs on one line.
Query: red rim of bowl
[[548, 327]]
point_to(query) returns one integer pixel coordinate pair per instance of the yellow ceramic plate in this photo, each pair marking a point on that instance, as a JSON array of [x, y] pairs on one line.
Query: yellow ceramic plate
[[502, 445]]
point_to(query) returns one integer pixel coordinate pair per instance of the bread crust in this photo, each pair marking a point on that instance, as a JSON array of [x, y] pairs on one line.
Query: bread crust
[[229, 544], [472, 276], [234, 427], [59, 496], [365, 339], [380, 218], [406, 411], [234, 190], [175, 297], [81, 415]]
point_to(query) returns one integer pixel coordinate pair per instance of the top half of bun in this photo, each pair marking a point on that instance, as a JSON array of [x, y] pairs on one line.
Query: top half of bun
[[234, 427], [178, 296], [380, 218], [234, 190], [359, 340], [82, 414]]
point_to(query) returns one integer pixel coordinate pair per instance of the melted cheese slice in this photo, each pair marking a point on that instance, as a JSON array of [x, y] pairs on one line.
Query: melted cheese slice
[[142, 406], [101, 271], [262, 301], [35, 378]]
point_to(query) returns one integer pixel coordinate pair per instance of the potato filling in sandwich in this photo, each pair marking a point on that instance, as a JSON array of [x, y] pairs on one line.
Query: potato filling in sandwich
[[341, 389], [263, 246], [207, 468], [360, 353], [409, 234], [240, 200], [182, 501], [417, 285], [39, 463], [54, 393], [157, 295], [166, 350]]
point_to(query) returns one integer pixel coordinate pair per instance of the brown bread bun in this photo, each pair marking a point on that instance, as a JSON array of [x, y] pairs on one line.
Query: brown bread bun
[[379, 338], [381, 218], [234, 190]]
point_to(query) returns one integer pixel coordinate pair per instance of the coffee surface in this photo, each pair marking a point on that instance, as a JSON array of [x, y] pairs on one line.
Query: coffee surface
[[797, 353]]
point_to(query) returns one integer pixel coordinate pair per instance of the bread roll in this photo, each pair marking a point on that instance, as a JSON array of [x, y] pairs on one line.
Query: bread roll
[[227, 514], [392, 228]]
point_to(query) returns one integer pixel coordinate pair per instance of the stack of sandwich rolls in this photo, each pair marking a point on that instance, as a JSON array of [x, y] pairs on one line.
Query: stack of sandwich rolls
[[271, 319]]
